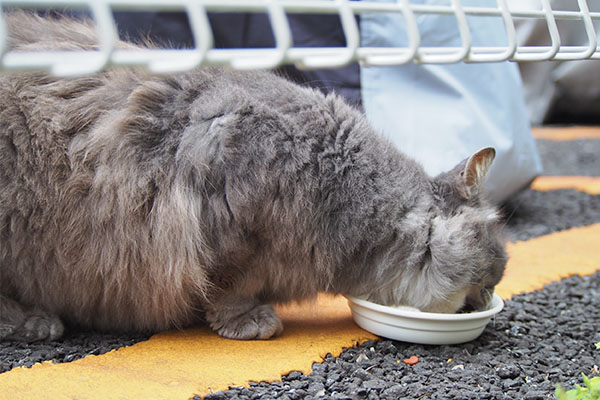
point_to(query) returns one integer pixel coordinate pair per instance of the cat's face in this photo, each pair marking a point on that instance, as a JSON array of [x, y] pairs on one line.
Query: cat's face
[[466, 244], [457, 252], [467, 258]]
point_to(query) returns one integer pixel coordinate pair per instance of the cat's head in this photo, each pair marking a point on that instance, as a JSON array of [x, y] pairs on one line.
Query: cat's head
[[459, 255]]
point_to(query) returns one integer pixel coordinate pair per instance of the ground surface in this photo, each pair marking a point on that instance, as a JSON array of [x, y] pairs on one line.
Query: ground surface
[[540, 339]]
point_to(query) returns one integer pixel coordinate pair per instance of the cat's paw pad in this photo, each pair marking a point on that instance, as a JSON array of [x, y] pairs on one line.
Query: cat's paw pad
[[40, 327], [261, 322]]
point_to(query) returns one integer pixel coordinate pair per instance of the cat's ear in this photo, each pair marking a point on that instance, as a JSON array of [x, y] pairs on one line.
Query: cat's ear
[[471, 178]]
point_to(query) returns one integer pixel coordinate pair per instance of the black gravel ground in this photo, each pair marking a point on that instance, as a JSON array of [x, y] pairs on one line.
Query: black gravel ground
[[531, 213], [538, 340], [576, 157], [74, 345]]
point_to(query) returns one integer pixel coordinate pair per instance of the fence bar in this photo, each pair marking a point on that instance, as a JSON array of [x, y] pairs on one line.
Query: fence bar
[[64, 63]]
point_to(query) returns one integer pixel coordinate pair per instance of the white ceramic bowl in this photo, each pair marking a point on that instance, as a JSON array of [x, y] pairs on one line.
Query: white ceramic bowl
[[413, 326]]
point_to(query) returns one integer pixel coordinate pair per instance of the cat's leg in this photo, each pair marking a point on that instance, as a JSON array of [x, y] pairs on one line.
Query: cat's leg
[[244, 319], [28, 325]]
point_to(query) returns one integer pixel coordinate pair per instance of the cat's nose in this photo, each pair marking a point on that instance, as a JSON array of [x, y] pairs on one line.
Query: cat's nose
[[479, 298], [475, 302]]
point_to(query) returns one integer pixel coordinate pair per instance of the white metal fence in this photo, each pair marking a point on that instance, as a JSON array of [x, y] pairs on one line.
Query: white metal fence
[[284, 52]]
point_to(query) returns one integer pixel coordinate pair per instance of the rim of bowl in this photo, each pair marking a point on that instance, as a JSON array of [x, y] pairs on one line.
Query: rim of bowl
[[496, 306]]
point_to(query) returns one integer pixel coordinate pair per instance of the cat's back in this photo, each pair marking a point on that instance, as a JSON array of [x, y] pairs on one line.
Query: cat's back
[[41, 114], [30, 31], [111, 175]]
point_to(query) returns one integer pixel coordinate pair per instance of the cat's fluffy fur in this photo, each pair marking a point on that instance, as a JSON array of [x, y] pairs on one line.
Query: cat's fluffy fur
[[130, 201]]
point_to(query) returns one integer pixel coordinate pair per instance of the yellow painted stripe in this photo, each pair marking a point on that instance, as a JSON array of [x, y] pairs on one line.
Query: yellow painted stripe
[[587, 184], [566, 133], [537, 262], [178, 365]]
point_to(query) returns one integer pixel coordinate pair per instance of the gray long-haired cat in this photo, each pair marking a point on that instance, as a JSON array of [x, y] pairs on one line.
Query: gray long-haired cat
[[136, 202]]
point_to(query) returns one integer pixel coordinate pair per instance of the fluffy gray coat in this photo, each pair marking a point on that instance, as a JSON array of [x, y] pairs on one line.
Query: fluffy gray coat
[[136, 202]]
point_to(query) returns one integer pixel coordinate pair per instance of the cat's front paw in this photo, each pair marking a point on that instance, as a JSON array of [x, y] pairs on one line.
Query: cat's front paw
[[261, 322], [37, 328], [44, 328]]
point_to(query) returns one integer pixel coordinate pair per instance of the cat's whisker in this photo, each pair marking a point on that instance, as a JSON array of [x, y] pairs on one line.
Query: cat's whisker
[[514, 210]]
